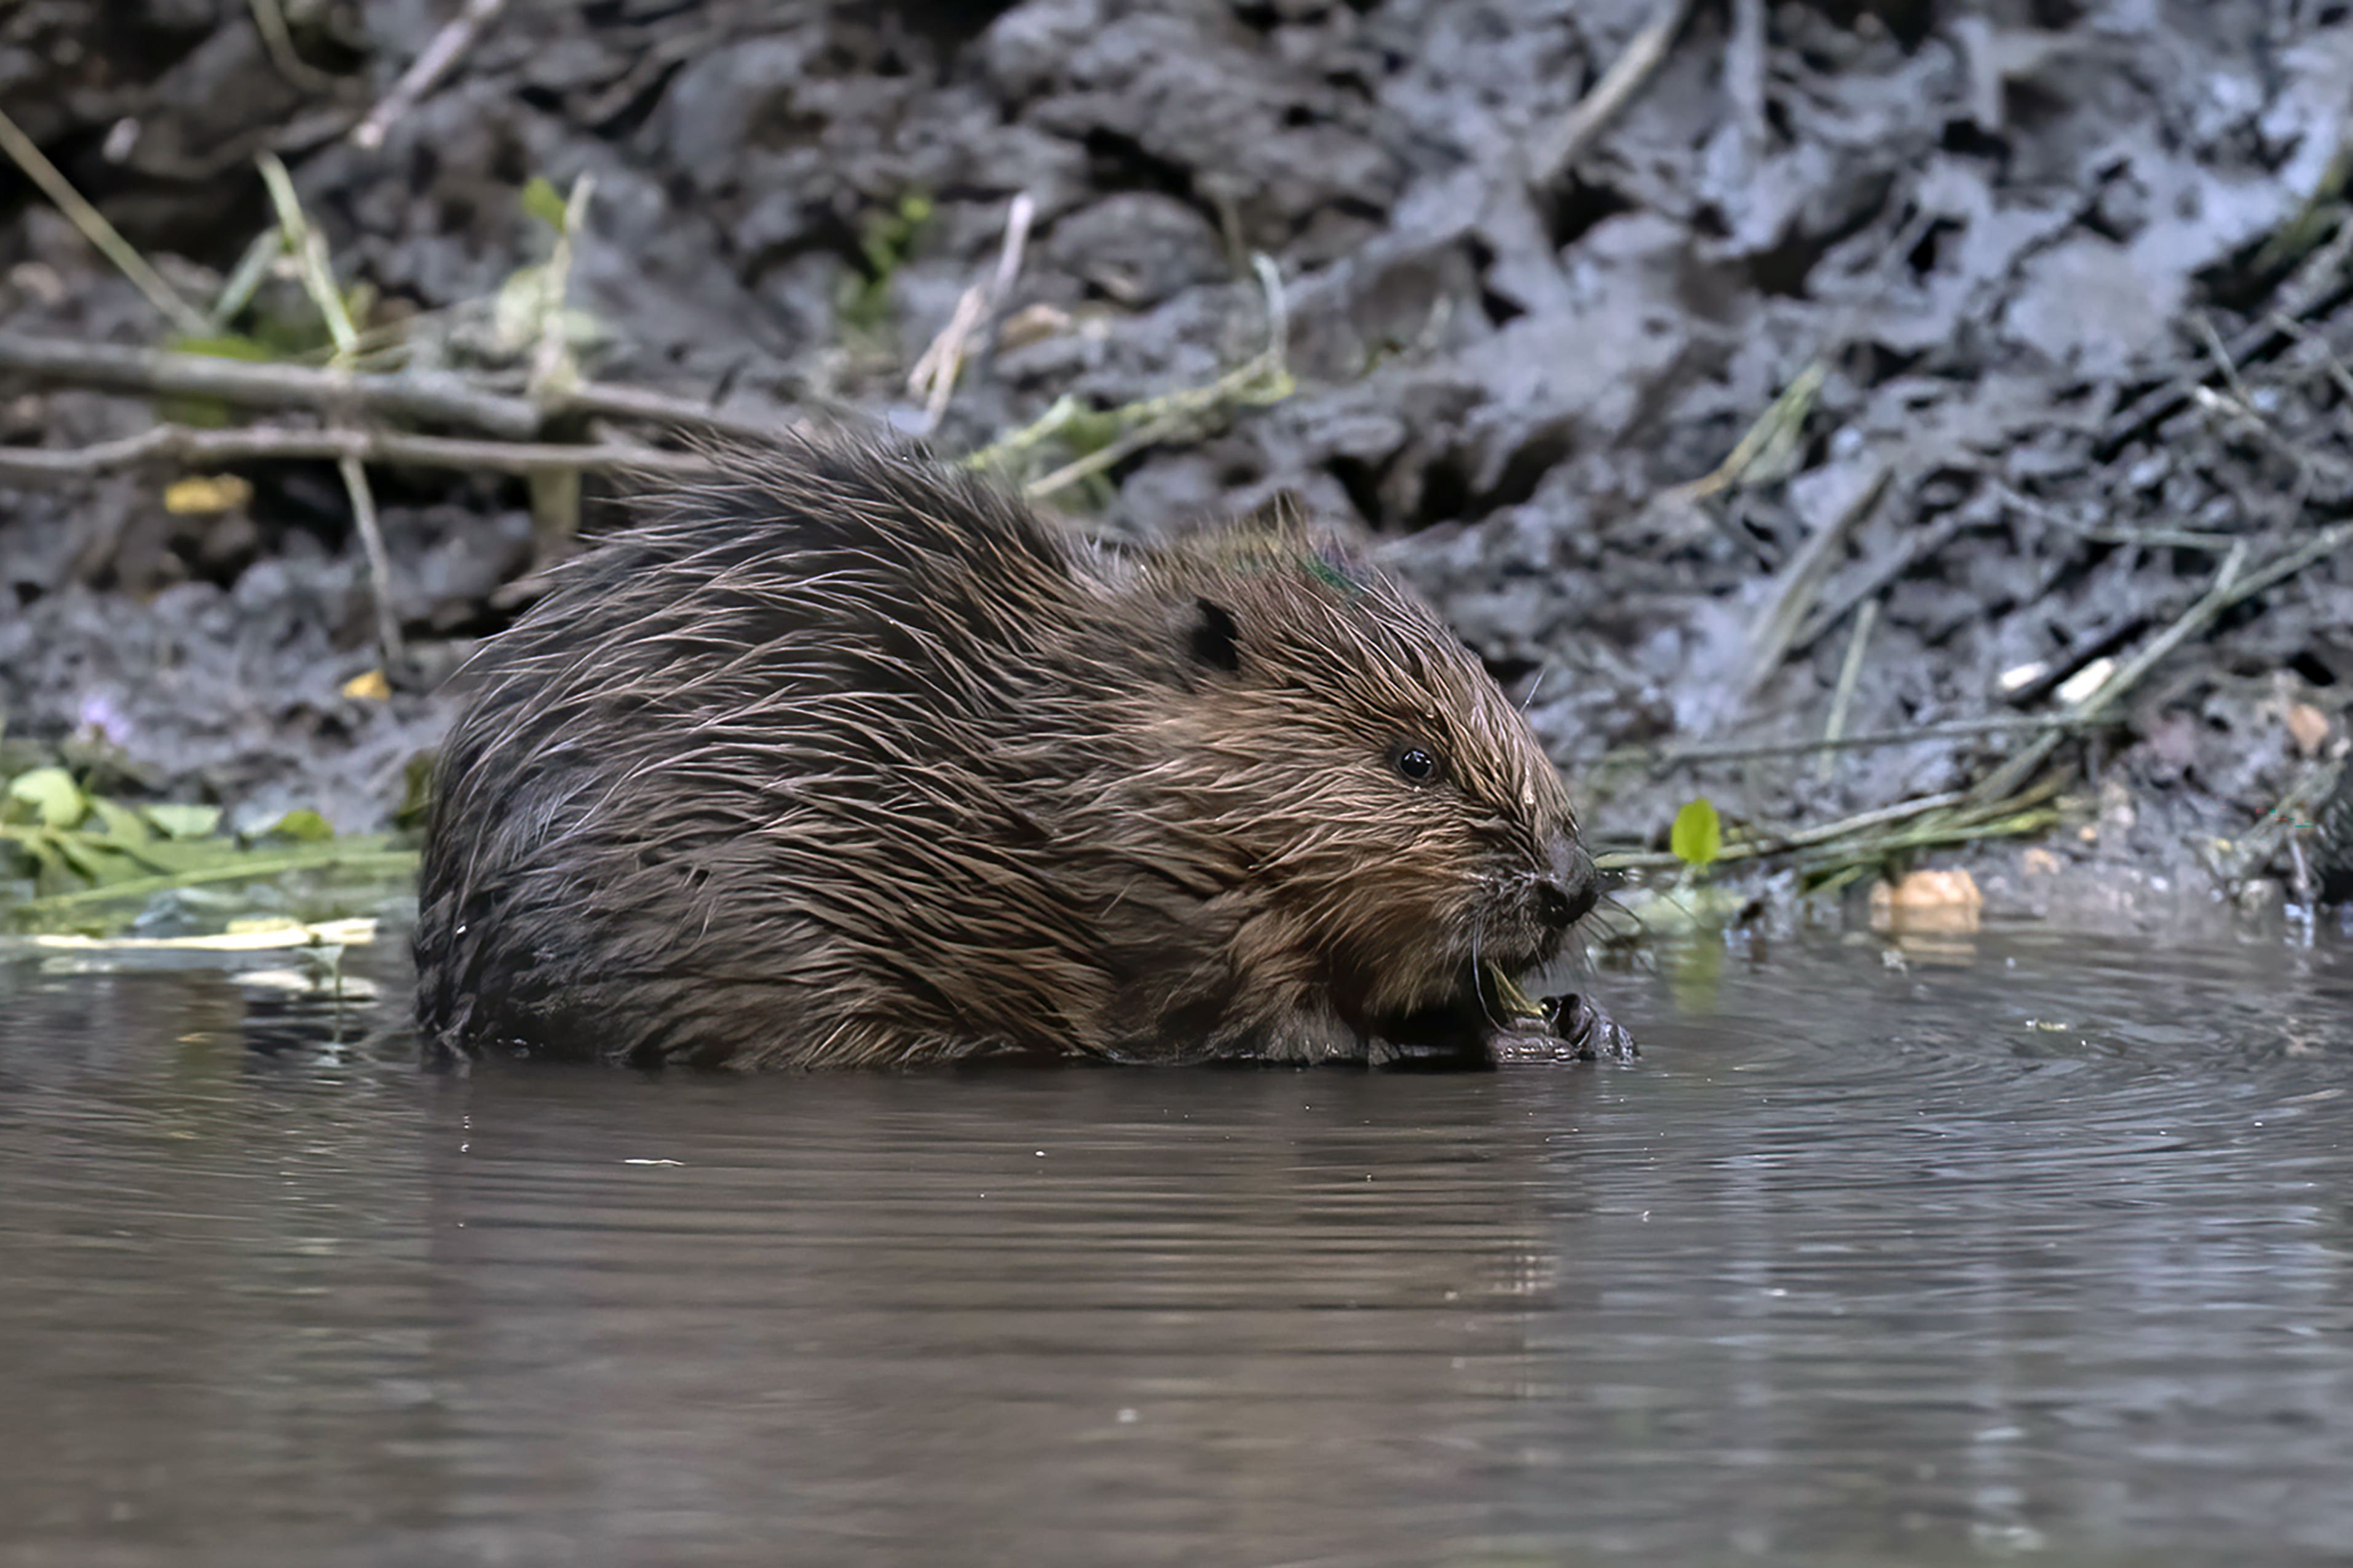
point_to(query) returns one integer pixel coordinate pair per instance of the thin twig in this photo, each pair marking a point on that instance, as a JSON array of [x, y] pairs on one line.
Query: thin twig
[[1879, 577], [1616, 88], [101, 234], [427, 71], [612, 402], [935, 376], [1850, 672], [553, 367], [182, 444], [1778, 619], [2311, 339], [556, 493], [1780, 421], [1265, 378], [1744, 71], [319, 281], [270, 22]]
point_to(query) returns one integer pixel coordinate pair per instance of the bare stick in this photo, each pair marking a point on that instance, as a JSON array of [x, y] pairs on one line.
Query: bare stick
[[1744, 71], [425, 72], [182, 444], [1616, 88], [435, 396], [553, 367], [1955, 729], [935, 375], [1784, 611], [1850, 672], [270, 22], [613, 402], [1781, 423], [1880, 576], [318, 282], [1267, 374], [101, 234], [440, 397], [2314, 341], [379, 560], [555, 494]]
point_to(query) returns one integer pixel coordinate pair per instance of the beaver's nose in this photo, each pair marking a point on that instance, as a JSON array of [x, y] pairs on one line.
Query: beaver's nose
[[1569, 893]]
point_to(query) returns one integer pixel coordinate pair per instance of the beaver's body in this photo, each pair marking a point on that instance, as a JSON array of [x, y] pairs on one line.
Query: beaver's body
[[852, 760]]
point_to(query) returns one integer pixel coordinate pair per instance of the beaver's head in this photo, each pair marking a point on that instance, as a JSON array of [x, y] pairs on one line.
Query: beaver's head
[[1401, 832]]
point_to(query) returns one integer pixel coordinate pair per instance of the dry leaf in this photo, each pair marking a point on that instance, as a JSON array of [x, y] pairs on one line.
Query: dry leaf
[[2309, 728], [205, 495], [1945, 902]]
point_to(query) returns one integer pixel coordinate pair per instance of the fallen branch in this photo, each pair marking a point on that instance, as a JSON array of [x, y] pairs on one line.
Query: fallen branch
[[435, 396], [182, 444], [440, 397]]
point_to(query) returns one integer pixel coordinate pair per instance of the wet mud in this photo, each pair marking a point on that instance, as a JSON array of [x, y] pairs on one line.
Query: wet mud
[[2062, 288]]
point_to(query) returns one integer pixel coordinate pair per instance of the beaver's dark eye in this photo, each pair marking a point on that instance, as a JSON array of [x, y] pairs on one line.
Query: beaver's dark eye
[[1415, 764]]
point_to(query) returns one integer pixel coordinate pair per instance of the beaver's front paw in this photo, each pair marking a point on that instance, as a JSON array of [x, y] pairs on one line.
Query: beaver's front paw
[[1572, 1029]]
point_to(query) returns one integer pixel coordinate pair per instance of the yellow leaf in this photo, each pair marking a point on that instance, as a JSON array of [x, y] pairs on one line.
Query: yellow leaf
[[372, 687], [205, 495]]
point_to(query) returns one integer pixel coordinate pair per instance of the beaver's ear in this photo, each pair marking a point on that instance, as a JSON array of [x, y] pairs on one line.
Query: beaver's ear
[[1217, 640]]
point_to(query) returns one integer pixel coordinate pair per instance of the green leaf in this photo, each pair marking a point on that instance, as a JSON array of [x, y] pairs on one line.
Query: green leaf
[[303, 826], [184, 821], [98, 861], [52, 794], [542, 201], [1698, 836], [117, 820]]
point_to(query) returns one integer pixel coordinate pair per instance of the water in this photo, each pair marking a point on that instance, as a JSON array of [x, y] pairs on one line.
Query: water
[[2044, 1256]]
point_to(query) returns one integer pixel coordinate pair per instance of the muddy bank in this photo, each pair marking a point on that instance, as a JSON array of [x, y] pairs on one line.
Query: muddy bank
[[1978, 370]]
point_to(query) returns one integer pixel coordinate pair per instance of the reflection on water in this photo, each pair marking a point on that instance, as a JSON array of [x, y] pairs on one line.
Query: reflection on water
[[2049, 1253]]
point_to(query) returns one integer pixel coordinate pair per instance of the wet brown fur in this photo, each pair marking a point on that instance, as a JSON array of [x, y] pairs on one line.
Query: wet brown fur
[[849, 759]]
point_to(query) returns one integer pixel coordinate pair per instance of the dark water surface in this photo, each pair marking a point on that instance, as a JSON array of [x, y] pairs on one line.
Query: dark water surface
[[2047, 1256]]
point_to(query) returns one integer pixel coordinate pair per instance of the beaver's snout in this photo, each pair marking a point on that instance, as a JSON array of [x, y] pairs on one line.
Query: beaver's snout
[[1568, 894]]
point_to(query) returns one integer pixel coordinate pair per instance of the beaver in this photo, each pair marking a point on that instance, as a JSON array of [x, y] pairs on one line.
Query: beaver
[[843, 757]]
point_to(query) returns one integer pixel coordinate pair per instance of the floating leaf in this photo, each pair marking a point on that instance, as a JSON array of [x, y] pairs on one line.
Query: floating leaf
[[53, 795], [303, 826], [1698, 836], [184, 821]]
